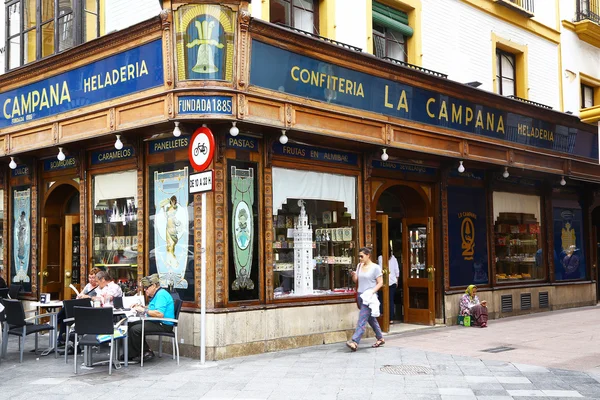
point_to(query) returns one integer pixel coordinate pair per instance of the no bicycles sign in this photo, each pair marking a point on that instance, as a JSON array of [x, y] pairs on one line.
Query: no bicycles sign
[[201, 149]]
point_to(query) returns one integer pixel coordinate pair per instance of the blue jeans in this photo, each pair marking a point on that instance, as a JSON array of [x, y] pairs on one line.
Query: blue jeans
[[364, 316]]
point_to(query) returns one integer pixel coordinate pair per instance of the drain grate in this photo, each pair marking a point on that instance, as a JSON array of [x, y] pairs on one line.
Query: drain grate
[[406, 370], [498, 349]]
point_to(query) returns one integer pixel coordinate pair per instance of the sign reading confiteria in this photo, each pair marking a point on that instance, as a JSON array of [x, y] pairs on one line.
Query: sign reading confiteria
[[307, 77], [132, 71]]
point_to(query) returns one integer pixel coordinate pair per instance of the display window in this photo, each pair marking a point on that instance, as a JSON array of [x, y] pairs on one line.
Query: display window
[[171, 227], [315, 233], [114, 247], [569, 251], [1, 229], [518, 238]]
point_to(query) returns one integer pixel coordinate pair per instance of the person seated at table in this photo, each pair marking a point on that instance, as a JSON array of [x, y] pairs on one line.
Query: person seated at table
[[161, 306], [88, 292], [107, 289], [2, 283], [470, 305]]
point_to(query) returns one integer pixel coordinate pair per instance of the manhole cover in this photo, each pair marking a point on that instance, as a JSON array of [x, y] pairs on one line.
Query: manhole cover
[[498, 349], [406, 370]]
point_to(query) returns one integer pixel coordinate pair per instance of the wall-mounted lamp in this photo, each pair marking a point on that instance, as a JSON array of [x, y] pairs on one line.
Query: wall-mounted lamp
[[204, 126], [505, 174], [60, 156], [461, 167], [12, 163], [384, 155], [562, 181], [283, 139], [234, 130], [118, 143], [176, 130]]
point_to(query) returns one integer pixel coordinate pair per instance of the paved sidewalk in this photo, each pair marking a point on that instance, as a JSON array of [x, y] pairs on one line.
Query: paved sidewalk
[[395, 371]]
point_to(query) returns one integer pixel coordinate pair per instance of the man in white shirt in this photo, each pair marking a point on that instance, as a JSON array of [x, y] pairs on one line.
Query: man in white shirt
[[393, 284], [107, 290]]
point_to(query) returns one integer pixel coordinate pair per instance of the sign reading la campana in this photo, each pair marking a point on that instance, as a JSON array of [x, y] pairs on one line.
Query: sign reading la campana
[[132, 71], [307, 77]]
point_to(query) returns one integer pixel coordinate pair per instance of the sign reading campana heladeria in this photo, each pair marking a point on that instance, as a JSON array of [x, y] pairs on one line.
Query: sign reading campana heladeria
[[131, 71], [307, 77]]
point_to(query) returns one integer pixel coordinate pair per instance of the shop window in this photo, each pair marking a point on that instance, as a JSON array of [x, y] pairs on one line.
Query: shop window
[[587, 96], [569, 251], [41, 28], [21, 237], [299, 14], [390, 32], [114, 247], [314, 233], [2, 266], [505, 73], [171, 227], [518, 238]]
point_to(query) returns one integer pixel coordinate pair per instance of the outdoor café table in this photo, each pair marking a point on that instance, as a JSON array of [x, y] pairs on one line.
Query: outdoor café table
[[53, 321], [116, 313]]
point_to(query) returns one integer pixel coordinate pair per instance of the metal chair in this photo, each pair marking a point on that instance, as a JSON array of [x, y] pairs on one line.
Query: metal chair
[[20, 326], [14, 290], [89, 324], [69, 319], [3, 293], [173, 334]]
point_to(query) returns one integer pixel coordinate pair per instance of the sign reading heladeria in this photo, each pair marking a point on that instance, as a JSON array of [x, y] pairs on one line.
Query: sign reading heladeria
[[125, 73]]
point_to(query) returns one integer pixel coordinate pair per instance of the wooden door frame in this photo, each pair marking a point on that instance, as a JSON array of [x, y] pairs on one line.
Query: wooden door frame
[[384, 319]]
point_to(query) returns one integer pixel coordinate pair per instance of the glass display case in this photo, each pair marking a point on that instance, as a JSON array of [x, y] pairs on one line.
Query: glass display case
[[518, 249], [334, 247]]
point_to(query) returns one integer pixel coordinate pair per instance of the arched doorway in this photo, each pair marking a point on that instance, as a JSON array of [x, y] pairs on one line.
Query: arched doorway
[[404, 229], [59, 265]]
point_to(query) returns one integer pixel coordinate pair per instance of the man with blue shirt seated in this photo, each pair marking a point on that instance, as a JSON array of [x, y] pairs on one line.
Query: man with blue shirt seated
[[161, 306]]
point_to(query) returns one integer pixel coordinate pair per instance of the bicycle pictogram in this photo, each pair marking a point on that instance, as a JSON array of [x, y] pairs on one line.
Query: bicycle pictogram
[[201, 148]]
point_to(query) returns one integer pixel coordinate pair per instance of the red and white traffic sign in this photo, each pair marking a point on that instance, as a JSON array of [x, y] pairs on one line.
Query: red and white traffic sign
[[201, 149]]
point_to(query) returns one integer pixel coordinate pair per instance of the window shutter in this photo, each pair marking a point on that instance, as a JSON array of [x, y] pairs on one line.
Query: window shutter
[[391, 18]]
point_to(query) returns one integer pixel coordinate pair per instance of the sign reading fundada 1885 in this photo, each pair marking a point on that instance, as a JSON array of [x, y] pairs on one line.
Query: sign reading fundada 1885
[[307, 77]]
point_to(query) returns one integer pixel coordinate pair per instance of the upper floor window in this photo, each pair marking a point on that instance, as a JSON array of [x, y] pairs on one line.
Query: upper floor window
[[587, 96], [390, 32], [300, 14], [40, 28], [505, 73]]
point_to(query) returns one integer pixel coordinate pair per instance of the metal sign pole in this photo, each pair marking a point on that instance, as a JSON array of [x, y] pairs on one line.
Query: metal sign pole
[[203, 285]]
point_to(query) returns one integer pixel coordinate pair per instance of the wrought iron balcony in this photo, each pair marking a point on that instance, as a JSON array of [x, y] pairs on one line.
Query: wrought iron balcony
[[530, 102], [405, 64], [524, 7], [588, 10], [322, 38]]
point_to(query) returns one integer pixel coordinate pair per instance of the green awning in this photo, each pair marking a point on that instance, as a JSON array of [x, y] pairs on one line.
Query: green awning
[[391, 18]]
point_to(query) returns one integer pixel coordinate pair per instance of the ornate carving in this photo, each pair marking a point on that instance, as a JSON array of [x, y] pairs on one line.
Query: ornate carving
[[140, 219], [367, 206], [170, 102], [445, 243], [569, 167], [55, 131], [34, 225], [511, 156], [389, 132], [5, 228], [269, 152], [166, 25], [111, 119], [244, 21], [221, 146], [465, 148], [220, 237], [289, 113], [268, 199], [369, 165], [241, 106]]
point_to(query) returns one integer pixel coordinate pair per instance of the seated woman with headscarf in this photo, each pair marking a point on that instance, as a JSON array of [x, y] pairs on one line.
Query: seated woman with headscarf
[[470, 305]]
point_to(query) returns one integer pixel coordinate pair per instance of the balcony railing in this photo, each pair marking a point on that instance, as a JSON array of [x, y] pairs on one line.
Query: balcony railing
[[405, 64], [322, 38], [530, 102], [588, 9], [523, 6]]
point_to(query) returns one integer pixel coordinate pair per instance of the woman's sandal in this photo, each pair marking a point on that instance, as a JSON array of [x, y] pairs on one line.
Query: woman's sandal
[[352, 345], [378, 343]]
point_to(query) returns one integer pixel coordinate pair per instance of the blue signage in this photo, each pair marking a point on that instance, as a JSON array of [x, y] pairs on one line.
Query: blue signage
[[471, 173], [315, 153], [55, 165], [467, 236], [205, 105], [21, 170], [172, 143], [132, 71], [242, 143], [406, 168], [310, 78], [106, 156]]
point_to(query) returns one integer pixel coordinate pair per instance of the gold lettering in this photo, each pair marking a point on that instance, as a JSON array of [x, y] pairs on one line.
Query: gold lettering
[[402, 103], [456, 114], [490, 121], [64, 94], [479, 122], [443, 111], [6, 104], [468, 115], [386, 102], [431, 100]]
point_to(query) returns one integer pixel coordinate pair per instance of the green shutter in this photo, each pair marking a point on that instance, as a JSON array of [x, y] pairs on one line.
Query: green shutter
[[391, 18]]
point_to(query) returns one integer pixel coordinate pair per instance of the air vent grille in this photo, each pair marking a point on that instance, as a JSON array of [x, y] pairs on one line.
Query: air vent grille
[[544, 301], [525, 301], [507, 303]]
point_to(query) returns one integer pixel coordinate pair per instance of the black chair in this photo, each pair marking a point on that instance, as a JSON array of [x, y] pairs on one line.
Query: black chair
[[3, 327], [20, 326], [91, 322], [3, 293], [173, 334], [69, 319], [14, 290]]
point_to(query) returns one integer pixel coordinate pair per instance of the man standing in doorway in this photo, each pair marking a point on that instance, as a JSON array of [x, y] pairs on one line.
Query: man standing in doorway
[[393, 283]]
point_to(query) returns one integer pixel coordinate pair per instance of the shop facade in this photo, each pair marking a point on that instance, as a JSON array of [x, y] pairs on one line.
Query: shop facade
[[320, 150]]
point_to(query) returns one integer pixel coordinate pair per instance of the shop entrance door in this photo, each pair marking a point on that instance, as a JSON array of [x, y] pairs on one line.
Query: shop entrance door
[[60, 241], [418, 271], [382, 242]]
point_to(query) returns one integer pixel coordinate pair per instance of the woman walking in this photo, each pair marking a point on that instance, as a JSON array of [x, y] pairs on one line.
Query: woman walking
[[370, 280]]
